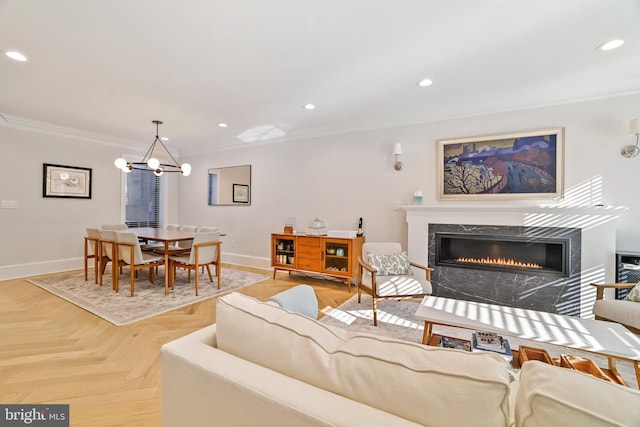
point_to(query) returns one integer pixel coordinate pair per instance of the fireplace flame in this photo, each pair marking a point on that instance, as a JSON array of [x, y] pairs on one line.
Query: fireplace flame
[[502, 262]]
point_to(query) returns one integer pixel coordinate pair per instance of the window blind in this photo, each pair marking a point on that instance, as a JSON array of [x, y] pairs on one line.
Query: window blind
[[142, 199]]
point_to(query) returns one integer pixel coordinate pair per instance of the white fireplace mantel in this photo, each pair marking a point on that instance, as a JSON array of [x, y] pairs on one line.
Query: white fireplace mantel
[[557, 210], [598, 226]]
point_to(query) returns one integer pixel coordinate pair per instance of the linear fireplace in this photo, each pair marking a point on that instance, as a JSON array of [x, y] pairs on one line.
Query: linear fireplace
[[513, 254], [537, 268]]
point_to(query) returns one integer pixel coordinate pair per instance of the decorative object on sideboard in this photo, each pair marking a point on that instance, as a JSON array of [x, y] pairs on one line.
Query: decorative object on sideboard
[[630, 151], [360, 232], [397, 151], [290, 225], [343, 234], [317, 228], [151, 161]]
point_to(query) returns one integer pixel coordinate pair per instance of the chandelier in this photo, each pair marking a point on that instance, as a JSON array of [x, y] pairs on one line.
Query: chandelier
[[152, 161]]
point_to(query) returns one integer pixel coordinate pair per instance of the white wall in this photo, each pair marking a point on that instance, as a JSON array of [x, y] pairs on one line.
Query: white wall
[[343, 177], [337, 178], [46, 234]]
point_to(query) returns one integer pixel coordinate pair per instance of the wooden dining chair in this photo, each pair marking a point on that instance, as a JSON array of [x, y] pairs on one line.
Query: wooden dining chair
[[205, 251], [129, 253], [115, 227], [186, 244], [205, 228], [108, 252], [92, 251]]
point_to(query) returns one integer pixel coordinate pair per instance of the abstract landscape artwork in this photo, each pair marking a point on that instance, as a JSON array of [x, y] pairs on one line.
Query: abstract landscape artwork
[[517, 165]]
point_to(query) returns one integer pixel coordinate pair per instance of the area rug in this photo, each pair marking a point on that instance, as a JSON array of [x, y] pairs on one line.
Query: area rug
[[149, 299], [396, 320]]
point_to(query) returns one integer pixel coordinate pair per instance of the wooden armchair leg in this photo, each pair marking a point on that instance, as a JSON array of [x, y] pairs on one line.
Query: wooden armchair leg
[[375, 312]]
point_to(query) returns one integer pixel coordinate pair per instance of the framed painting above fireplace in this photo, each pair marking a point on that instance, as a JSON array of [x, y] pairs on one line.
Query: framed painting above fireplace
[[523, 165]]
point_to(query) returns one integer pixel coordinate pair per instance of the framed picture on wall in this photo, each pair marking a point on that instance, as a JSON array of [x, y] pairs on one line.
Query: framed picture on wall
[[66, 181], [240, 193], [523, 165]]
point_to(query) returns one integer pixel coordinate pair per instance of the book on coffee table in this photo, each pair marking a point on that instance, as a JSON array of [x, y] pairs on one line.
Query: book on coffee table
[[449, 342], [493, 344]]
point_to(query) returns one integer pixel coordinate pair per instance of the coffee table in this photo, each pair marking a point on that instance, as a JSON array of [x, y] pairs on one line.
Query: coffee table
[[608, 339]]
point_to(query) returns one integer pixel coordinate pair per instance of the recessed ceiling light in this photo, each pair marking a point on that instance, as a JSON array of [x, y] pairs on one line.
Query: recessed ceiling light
[[425, 82], [611, 44], [222, 125], [309, 107], [16, 55], [164, 138]]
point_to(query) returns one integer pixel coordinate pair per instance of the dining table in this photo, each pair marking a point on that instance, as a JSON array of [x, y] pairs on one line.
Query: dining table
[[166, 237]]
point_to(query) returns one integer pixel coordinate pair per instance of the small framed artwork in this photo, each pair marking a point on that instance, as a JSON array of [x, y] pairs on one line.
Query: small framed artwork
[[523, 165], [66, 181], [240, 193]]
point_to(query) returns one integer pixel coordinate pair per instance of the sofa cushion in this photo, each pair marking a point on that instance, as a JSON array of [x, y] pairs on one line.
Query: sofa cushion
[[410, 380], [548, 393]]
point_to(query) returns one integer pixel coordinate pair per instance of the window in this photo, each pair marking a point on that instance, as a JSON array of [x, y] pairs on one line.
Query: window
[[142, 199]]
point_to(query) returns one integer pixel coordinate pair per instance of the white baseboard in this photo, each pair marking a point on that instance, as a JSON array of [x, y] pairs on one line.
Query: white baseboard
[[38, 268], [247, 261], [17, 271]]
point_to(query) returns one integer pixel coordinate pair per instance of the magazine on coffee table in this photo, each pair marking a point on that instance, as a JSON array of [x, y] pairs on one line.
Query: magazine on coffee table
[[449, 342]]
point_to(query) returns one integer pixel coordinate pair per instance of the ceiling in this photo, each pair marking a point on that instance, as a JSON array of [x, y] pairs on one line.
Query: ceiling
[[110, 67]]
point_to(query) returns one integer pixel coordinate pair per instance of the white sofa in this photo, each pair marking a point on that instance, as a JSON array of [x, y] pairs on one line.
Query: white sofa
[[261, 365]]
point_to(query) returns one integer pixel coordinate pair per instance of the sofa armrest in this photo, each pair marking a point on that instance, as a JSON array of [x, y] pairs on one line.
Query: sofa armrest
[[204, 386]]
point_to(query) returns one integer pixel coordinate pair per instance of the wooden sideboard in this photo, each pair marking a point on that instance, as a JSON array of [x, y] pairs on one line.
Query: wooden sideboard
[[332, 256]]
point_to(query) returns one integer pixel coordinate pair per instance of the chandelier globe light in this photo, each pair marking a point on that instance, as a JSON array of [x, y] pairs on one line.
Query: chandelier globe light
[[150, 160]]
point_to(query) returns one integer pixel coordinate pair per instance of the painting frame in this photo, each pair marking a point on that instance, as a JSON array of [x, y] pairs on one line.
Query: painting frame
[[517, 165], [62, 181], [240, 193]]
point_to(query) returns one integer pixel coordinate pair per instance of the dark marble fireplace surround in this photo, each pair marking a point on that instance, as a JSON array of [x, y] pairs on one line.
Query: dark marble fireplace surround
[[535, 290]]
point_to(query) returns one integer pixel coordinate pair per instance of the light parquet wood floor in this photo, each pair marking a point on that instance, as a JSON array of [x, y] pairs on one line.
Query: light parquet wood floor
[[52, 351]]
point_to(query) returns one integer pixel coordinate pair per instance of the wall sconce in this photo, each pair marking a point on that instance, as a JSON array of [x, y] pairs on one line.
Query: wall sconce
[[397, 151], [630, 151]]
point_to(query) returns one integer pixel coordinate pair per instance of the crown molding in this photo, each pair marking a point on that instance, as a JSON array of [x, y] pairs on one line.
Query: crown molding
[[30, 125]]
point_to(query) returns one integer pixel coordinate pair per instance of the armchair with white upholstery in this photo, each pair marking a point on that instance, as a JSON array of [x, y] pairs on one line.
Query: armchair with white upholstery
[[385, 272], [622, 311]]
